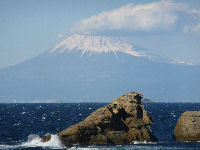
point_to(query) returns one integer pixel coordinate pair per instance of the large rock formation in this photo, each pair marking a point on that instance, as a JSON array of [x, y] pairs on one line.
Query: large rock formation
[[188, 127], [123, 121]]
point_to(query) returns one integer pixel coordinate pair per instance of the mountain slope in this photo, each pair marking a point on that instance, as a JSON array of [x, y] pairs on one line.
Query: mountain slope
[[100, 76]]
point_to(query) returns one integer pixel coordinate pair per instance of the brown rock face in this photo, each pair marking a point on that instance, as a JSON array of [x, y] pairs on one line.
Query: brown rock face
[[188, 127], [122, 121]]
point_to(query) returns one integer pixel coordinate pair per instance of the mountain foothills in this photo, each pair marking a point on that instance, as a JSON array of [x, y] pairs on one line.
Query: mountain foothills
[[96, 68]]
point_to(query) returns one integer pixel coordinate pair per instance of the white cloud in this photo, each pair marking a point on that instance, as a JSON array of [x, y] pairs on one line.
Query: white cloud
[[146, 17], [191, 28], [197, 28]]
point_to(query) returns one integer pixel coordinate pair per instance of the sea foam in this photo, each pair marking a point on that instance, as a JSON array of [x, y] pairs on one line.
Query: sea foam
[[35, 141]]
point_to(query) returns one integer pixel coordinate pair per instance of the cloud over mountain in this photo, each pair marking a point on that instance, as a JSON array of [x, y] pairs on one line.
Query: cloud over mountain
[[146, 17], [191, 28]]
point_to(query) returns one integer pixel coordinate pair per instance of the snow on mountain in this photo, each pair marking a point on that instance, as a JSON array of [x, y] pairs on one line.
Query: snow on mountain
[[96, 44], [105, 44]]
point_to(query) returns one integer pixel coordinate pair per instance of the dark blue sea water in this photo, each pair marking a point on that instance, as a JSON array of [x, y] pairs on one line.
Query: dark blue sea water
[[23, 125]]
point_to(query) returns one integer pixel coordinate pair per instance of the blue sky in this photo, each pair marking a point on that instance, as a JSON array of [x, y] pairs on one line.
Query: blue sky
[[28, 28]]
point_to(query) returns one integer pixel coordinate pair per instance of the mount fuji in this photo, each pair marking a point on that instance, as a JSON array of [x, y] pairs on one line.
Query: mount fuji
[[96, 69]]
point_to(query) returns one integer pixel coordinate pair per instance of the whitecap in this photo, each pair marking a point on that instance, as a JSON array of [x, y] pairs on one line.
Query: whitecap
[[139, 142], [7, 147], [43, 118], [144, 142], [38, 107], [35, 141], [17, 124]]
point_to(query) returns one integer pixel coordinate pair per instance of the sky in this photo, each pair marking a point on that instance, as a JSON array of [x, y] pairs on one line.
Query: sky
[[166, 27]]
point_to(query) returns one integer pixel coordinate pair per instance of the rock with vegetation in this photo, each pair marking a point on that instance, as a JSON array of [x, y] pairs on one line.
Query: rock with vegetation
[[122, 121], [188, 127]]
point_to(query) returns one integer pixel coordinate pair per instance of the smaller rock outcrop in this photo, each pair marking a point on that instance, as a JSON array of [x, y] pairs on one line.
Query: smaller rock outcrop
[[146, 100], [188, 127], [123, 121]]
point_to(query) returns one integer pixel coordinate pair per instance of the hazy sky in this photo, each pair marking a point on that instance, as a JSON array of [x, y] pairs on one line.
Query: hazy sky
[[30, 27]]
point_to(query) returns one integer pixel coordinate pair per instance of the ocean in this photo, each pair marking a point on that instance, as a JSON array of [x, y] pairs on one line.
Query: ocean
[[23, 125]]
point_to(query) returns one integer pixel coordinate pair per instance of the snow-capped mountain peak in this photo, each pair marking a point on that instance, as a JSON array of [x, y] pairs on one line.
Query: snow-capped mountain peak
[[95, 44], [105, 44]]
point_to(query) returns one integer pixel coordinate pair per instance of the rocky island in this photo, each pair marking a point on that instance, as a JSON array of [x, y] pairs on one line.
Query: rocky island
[[122, 121], [188, 127]]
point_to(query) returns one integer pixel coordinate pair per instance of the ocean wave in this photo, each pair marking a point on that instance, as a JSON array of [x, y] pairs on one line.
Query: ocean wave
[[144, 142], [35, 141]]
